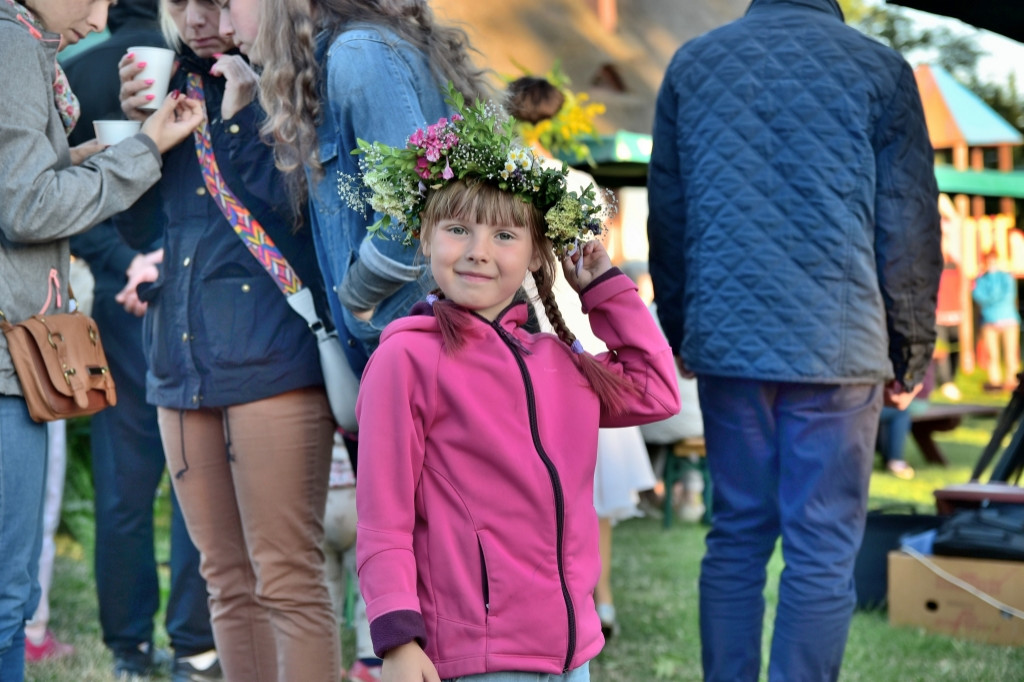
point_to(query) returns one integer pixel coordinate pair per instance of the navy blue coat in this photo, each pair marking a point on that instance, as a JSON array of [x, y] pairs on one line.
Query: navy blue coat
[[793, 225], [218, 331]]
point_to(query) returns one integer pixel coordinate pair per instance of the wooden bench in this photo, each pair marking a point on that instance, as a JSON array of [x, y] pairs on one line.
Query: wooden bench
[[942, 417]]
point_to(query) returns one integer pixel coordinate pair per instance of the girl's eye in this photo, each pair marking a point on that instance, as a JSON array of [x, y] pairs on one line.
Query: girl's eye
[[506, 236], [456, 229]]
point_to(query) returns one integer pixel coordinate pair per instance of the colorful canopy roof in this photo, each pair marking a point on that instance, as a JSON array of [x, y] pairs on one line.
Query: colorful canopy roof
[[956, 116]]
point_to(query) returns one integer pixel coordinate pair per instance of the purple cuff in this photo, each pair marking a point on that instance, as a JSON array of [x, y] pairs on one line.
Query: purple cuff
[[607, 274], [397, 628]]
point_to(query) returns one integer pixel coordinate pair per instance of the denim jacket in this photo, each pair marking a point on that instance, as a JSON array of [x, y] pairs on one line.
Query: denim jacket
[[376, 87]]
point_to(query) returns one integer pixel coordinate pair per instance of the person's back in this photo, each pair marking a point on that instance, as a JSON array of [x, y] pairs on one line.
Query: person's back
[[794, 249], [784, 113]]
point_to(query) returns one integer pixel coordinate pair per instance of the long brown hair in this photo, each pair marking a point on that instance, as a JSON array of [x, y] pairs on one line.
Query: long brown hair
[[484, 203], [286, 48]]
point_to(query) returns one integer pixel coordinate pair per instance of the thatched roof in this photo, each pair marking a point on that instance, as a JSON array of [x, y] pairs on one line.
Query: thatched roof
[[536, 33]]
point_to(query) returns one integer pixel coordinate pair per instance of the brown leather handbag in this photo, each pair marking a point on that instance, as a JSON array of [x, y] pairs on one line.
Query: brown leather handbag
[[61, 365]]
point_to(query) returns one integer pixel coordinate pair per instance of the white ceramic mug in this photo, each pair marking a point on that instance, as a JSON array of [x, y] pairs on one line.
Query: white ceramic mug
[[159, 66]]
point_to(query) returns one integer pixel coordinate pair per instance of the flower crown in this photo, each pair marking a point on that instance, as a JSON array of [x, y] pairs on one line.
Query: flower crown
[[476, 142]]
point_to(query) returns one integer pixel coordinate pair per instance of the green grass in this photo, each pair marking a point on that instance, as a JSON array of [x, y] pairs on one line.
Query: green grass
[[655, 575]]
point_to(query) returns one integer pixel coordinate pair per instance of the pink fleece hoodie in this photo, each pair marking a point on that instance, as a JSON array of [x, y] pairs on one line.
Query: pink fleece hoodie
[[477, 534]]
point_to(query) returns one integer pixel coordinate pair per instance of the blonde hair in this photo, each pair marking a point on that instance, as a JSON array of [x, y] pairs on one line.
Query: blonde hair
[[169, 30], [289, 84], [477, 200], [171, 34]]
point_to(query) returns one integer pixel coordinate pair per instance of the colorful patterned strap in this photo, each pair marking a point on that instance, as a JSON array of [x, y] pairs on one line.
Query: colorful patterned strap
[[245, 225]]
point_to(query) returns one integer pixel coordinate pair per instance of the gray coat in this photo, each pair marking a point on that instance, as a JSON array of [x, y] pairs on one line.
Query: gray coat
[[43, 199]]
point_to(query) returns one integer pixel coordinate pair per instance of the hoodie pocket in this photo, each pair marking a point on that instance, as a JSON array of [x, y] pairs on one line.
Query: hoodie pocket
[[485, 589]]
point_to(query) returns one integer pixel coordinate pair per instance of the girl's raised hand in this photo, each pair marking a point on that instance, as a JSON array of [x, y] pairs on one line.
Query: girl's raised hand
[[131, 100], [241, 83], [588, 262], [175, 120]]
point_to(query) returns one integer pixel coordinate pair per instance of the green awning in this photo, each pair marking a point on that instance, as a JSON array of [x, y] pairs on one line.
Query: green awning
[[989, 183], [621, 159]]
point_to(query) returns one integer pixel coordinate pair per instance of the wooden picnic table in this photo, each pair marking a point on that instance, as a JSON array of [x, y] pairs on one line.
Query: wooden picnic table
[[943, 417]]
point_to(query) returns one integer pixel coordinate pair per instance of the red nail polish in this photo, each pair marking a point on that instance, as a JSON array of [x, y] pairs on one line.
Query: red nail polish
[[141, 64], [130, 55], [150, 81], [150, 97], [175, 93]]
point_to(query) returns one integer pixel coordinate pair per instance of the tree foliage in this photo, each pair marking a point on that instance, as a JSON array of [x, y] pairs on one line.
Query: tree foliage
[[956, 52]]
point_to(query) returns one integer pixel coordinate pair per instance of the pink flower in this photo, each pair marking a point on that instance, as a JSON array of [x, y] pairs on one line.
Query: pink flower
[[423, 168], [447, 173]]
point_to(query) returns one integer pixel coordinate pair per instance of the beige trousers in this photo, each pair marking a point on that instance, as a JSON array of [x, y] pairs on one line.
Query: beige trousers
[[252, 483]]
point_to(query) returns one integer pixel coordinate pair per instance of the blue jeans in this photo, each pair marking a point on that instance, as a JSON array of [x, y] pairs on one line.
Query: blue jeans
[[22, 482], [128, 464], [789, 460], [580, 674], [893, 429]]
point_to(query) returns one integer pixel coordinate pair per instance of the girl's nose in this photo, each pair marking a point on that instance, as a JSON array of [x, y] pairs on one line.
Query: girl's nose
[[225, 28], [477, 250]]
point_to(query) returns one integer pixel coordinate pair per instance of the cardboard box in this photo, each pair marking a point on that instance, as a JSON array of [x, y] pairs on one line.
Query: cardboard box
[[919, 596]]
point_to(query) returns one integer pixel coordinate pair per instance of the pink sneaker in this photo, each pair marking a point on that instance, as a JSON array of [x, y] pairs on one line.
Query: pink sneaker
[[50, 649], [360, 672]]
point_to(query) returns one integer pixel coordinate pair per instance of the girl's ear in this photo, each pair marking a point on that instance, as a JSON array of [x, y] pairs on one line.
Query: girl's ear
[[425, 244], [536, 260]]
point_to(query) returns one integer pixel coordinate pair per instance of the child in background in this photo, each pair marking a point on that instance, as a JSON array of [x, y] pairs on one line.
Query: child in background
[[995, 292], [477, 536]]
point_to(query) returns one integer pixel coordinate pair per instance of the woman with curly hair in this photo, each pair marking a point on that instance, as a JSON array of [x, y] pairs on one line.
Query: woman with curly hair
[[334, 72]]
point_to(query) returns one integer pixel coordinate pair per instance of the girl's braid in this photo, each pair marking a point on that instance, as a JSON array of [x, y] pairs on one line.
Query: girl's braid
[[611, 388], [547, 298]]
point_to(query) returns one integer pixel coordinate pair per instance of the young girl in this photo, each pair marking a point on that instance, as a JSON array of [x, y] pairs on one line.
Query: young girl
[[477, 540]]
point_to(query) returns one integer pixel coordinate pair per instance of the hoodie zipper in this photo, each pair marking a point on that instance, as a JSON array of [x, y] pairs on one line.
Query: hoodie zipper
[[514, 346]]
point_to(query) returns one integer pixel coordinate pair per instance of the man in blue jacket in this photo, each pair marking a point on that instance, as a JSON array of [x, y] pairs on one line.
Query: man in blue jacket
[[794, 248]]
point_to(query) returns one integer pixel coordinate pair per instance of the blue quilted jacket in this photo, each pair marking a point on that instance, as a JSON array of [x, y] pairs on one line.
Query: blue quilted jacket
[[793, 224]]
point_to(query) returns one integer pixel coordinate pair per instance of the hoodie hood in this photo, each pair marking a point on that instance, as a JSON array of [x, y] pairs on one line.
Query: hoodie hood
[[830, 6]]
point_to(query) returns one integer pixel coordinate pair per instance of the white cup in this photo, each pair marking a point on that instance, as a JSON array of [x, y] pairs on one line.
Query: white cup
[[112, 132], [159, 66]]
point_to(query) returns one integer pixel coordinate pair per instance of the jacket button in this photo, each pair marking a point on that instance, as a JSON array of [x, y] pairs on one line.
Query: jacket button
[[184, 337], [233, 128], [186, 261], [351, 343], [246, 288], [201, 191], [195, 398]]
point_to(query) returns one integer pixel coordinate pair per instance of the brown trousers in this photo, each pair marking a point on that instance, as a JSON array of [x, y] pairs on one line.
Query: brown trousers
[[252, 483]]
